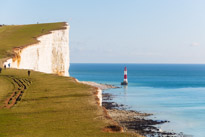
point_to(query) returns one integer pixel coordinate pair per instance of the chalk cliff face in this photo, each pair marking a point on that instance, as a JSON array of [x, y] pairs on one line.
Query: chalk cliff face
[[50, 55]]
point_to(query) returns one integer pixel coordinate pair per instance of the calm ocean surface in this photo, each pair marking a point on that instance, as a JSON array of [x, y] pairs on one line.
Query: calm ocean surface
[[171, 92]]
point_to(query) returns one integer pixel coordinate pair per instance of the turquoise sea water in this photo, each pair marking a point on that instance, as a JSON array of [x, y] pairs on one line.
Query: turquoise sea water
[[171, 92]]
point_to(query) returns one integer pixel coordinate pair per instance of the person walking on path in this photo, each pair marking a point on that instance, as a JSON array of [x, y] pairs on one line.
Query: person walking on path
[[0, 69], [29, 73]]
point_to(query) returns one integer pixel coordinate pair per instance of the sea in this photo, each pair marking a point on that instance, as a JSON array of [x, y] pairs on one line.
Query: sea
[[173, 92]]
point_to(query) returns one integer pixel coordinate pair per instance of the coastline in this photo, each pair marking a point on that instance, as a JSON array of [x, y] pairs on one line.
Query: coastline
[[130, 121], [99, 88], [133, 121]]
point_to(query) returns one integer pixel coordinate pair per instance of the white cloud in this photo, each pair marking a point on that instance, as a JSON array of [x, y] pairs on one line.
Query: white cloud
[[195, 44]]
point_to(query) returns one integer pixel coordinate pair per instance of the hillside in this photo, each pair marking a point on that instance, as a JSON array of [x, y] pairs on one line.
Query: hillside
[[50, 106], [45, 104], [13, 36]]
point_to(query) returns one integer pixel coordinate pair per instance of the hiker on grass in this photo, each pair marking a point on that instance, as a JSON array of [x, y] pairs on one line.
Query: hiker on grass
[[4, 66], [0, 69], [29, 73]]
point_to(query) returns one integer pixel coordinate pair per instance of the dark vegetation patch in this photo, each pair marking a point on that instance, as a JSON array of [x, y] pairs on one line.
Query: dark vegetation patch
[[113, 128]]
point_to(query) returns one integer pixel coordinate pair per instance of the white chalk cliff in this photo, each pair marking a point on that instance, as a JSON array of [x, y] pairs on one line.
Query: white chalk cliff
[[49, 55]]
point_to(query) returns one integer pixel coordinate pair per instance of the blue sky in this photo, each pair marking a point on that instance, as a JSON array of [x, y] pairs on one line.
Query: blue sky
[[121, 31]]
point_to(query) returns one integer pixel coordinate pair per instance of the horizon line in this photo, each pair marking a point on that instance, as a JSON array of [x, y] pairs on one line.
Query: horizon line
[[139, 63]]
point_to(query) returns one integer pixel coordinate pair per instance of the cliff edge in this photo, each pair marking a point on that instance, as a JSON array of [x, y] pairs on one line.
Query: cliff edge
[[50, 54]]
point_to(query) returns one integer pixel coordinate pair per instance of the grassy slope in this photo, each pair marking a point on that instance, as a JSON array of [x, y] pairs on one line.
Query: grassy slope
[[5, 89], [22, 35], [53, 105]]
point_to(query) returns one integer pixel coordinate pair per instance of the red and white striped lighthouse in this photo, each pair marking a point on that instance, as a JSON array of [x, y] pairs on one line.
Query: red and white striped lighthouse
[[125, 82]]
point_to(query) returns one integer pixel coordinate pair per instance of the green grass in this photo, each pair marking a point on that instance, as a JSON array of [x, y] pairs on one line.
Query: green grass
[[6, 89], [22, 35], [52, 106]]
